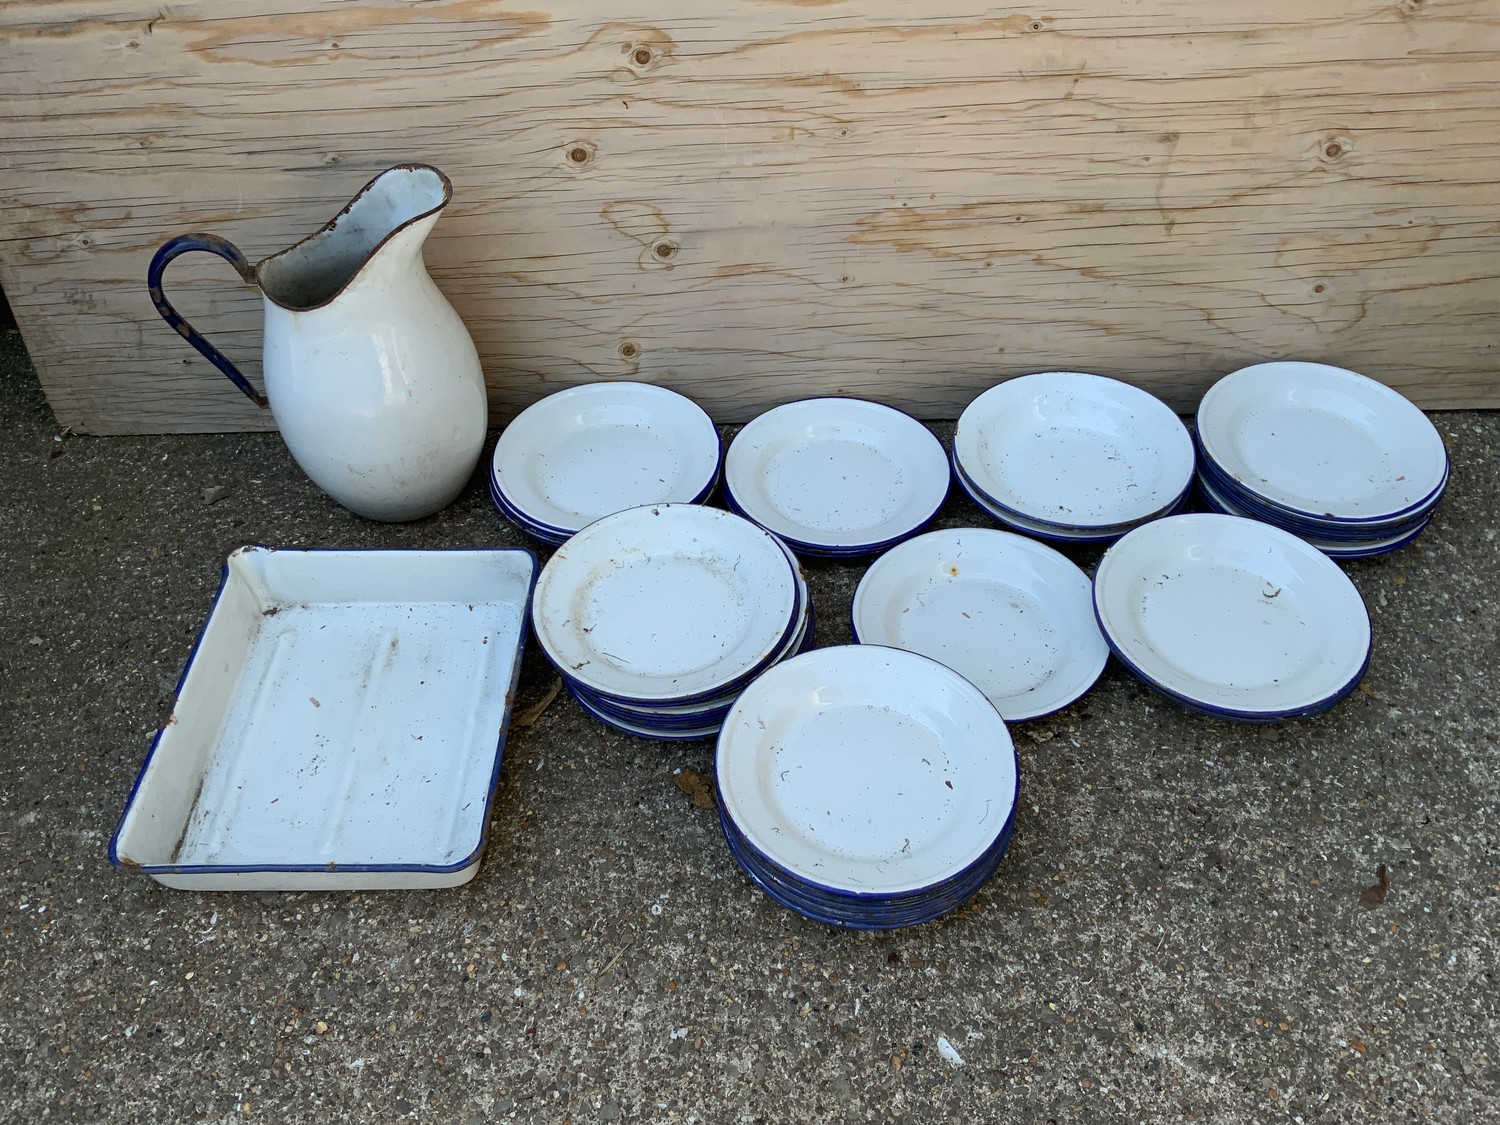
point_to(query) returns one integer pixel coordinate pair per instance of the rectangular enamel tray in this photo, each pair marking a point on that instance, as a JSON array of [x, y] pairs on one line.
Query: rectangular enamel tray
[[338, 726]]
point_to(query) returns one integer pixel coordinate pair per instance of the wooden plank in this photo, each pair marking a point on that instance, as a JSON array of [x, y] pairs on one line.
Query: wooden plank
[[764, 199]]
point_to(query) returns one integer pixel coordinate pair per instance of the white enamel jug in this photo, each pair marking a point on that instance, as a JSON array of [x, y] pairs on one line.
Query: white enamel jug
[[372, 378]]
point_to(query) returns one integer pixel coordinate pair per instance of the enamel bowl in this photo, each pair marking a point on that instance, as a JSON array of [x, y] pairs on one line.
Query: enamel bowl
[[1013, 616], [1322, 443], [669, 603], [1074, 452], [594, 450], [1037, 530], [836, 476], [1337, 545], [1232, 617], [868, 774]]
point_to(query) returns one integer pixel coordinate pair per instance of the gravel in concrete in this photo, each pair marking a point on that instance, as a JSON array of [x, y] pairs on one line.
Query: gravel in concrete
[[1180, 932]]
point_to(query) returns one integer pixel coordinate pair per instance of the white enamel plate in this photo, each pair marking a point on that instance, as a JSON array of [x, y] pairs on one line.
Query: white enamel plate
[[1073, 450], [840, 474], [867, 769], [1322, 441], [593, 450], [665, 602], [1013, 616], [1233, 616]]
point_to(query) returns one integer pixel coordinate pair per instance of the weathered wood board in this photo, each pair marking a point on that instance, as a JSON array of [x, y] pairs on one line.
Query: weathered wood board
[[757, 200]]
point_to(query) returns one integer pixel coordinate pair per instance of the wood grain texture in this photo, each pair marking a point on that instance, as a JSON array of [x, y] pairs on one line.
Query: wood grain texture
[[757, 201]]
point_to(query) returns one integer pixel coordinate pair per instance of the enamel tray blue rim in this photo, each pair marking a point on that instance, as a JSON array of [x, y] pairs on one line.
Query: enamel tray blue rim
[[298, 868]]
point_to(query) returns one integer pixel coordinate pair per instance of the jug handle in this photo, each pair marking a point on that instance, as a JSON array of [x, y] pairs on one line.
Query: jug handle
[[225, 249]]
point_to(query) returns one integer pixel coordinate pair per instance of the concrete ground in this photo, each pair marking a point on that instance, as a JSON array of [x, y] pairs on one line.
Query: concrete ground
[[1181, 930]]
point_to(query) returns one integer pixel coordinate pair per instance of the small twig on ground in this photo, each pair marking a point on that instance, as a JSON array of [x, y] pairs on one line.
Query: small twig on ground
[[528, 717]]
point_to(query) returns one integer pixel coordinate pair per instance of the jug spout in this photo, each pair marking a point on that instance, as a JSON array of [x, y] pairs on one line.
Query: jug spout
[[316, 270]]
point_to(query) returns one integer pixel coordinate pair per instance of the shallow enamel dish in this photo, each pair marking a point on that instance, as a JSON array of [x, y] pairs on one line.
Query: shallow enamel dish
[[844, 912], [867, 769], [837, 474], [1321, 441], [593, 450], [697, 722], [1237, 617], [1073, 450], [1009, 613], [798, 630], [1343, 548], [667, 603], [811, 890], [339, 725], [808, 550], [1053, 529]]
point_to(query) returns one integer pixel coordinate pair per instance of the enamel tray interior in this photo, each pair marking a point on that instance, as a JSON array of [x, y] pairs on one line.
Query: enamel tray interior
[[339, 725]]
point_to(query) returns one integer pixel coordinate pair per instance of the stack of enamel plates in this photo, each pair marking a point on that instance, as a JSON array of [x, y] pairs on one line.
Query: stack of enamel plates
[[1072, 458], [1334, 457], [658, 617], [866, 787], [836, 477], [594, 450], [1232, 618]]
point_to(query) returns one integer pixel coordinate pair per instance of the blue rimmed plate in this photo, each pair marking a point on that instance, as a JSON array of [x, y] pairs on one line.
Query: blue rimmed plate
[[1344, 547], [670, 603], [1323, 443], [866, 771], [841, 477], [590, 451], [1232, 617], [1011, 614], [1074, 453]]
